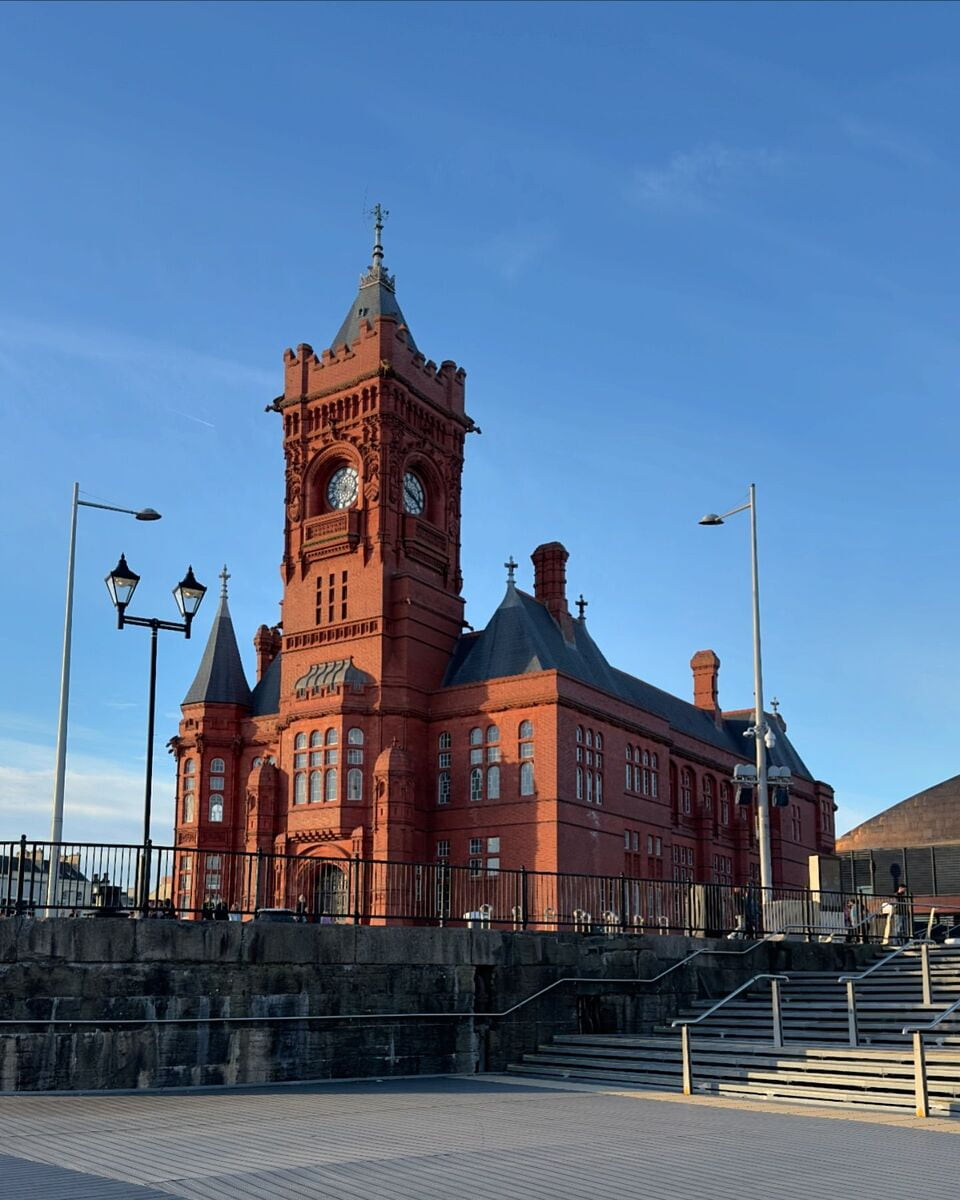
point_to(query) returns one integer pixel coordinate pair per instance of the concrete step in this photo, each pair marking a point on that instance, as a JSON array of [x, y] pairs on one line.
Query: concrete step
[[774, 1090]]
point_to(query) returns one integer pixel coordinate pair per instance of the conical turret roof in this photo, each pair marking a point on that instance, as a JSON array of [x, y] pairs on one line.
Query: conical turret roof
[[220, 678], [376, 297]]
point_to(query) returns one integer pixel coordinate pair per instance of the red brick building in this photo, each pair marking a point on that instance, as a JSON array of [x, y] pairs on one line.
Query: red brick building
[[377, 727]]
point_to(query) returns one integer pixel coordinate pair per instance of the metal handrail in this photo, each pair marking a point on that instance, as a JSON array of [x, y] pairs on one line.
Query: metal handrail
[[911, 945], [935, 1022], [225, 1020], [921, 1092], [721, 1003], [686, 1022]]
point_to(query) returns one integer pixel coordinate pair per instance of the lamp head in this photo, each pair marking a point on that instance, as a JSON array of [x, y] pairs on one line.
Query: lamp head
[[147, 514], [188, 593], [121, 584], [711, 519]]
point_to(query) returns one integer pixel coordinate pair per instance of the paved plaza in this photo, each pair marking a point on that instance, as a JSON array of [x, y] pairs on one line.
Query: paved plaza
[[476, 1137]]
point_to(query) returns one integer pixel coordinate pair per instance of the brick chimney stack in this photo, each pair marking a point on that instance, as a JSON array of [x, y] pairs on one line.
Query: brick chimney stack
[[550, 584], [266, 642], [706, 670]]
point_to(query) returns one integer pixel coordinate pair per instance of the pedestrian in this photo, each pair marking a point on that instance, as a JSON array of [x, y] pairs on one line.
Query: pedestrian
[[206, 910], [167, 911], [235, 913], [902, 920], [220, 911]]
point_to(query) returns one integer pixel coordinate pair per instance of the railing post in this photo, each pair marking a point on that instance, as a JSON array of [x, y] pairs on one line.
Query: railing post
[[925, 973], [624, 923], [523, 898], [687, 1064], [256, 885], [21, 867], [777, 1014], [144, 904], [852, 1013], [356, 889], [920, 1075]]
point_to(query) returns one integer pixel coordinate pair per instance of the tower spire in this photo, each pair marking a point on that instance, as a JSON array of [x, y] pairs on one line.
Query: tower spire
[[379, 215]]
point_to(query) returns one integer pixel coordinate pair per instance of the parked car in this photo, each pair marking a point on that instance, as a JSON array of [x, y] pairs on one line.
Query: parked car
[[287, 916]]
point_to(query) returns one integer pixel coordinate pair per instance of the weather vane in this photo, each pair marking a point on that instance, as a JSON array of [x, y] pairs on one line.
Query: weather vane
[[581, 604], [511, 567]]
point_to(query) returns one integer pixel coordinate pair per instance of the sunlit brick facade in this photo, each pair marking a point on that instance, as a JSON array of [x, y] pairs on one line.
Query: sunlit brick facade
[[378, 728]]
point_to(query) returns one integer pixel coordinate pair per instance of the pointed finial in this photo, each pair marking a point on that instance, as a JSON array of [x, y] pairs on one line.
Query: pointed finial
[[511, 567], [775, 705], [379, 215], [581, 604], [224, 576]]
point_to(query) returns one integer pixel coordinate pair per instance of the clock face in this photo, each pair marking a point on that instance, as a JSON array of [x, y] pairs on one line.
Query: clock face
[[413, 497], [342, 488]]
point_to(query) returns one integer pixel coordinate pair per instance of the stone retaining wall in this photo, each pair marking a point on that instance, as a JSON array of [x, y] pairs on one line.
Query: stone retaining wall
[[149, 971]]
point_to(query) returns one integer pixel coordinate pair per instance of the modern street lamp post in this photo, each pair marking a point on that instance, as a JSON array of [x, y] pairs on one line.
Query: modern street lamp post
[[762, 735], [59, 779], [121, 584]]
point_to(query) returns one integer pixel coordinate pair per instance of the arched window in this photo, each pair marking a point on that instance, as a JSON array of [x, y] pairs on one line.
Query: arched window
[[579, 783], [444, 741], [599, 741], [686, 791], [598, 791], [216, 809], [354, 784], [493, 783], [443, 787], [331, 737], [300, 742], [300, 788], [354, 749], [589, 737], [628, 782], [589, 787], [330, 784], [526, 778], [493, 733], [708, 795], [189, 789], [637, 774], [476, 737], [316, 787], [476, 784], [217, 767], [316, 738], [724, 803], [579, 733], [526, 730], [216, 780], [654, 776]]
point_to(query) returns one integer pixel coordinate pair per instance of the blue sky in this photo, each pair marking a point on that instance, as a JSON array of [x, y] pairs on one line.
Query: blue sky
[[677, 248]]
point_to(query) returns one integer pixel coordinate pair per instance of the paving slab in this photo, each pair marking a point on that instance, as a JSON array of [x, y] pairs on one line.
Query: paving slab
[[460, 1138]]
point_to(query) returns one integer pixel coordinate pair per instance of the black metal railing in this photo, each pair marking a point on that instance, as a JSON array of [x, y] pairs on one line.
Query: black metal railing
[[190, 882]]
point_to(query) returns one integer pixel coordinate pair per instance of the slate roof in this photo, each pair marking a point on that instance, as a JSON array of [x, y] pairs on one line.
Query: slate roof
[[220, 679], [376, 298], [265, 699], [522, 637]]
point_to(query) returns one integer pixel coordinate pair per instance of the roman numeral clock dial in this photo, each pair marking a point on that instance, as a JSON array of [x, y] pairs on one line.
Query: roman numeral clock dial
[[413, 494]]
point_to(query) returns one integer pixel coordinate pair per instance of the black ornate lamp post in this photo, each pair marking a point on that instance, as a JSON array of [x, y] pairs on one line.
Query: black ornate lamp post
[[121, 584]]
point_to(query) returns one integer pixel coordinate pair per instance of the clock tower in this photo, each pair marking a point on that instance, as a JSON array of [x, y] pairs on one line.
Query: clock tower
[[373, 436]]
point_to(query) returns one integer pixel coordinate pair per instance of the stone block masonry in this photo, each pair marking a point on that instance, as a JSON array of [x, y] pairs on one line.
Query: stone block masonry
[[152, 972]]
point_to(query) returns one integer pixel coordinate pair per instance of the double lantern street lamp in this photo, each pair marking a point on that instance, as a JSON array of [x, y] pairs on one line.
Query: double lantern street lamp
[[760, 778], [121, 584]]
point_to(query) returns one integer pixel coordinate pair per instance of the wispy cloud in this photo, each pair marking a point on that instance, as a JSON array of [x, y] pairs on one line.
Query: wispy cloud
[[110, 347], [894, 143], [693, 178], [103, 799], [512, 252]]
